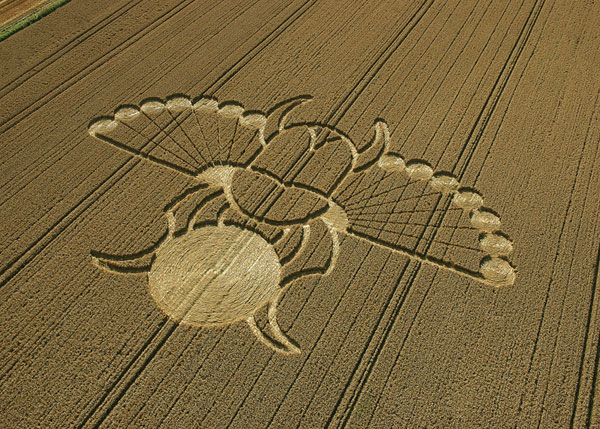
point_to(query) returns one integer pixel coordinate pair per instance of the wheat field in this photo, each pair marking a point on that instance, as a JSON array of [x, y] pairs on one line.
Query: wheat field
[[301, 214]]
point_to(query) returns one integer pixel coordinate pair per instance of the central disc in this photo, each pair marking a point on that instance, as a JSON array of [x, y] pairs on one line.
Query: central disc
[[214, 275]]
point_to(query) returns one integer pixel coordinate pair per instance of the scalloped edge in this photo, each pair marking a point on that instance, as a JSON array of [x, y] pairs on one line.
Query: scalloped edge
[[470, 201], [251, 119]]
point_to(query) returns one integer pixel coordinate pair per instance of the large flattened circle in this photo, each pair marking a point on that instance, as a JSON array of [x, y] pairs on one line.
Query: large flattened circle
[[214, 275]]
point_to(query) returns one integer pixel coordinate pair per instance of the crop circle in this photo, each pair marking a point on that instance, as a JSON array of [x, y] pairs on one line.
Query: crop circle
[[214, 275]]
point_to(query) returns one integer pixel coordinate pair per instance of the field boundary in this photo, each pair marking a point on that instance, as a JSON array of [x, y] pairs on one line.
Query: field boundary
[[32, 16]]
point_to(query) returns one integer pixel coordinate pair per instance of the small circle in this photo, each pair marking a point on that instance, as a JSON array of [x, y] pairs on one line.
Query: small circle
[[152, 107], [126, 113], [103, 126], [178, 104], [496, 245], [253, 120], [485, 221], [419, 170], [392, 163], [214, 275], [444, 183], [207, 104], [231, 110], [468, 200], [497, 270]]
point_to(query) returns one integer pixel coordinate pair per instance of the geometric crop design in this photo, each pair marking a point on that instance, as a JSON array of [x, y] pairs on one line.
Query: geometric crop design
[[273, 199]]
